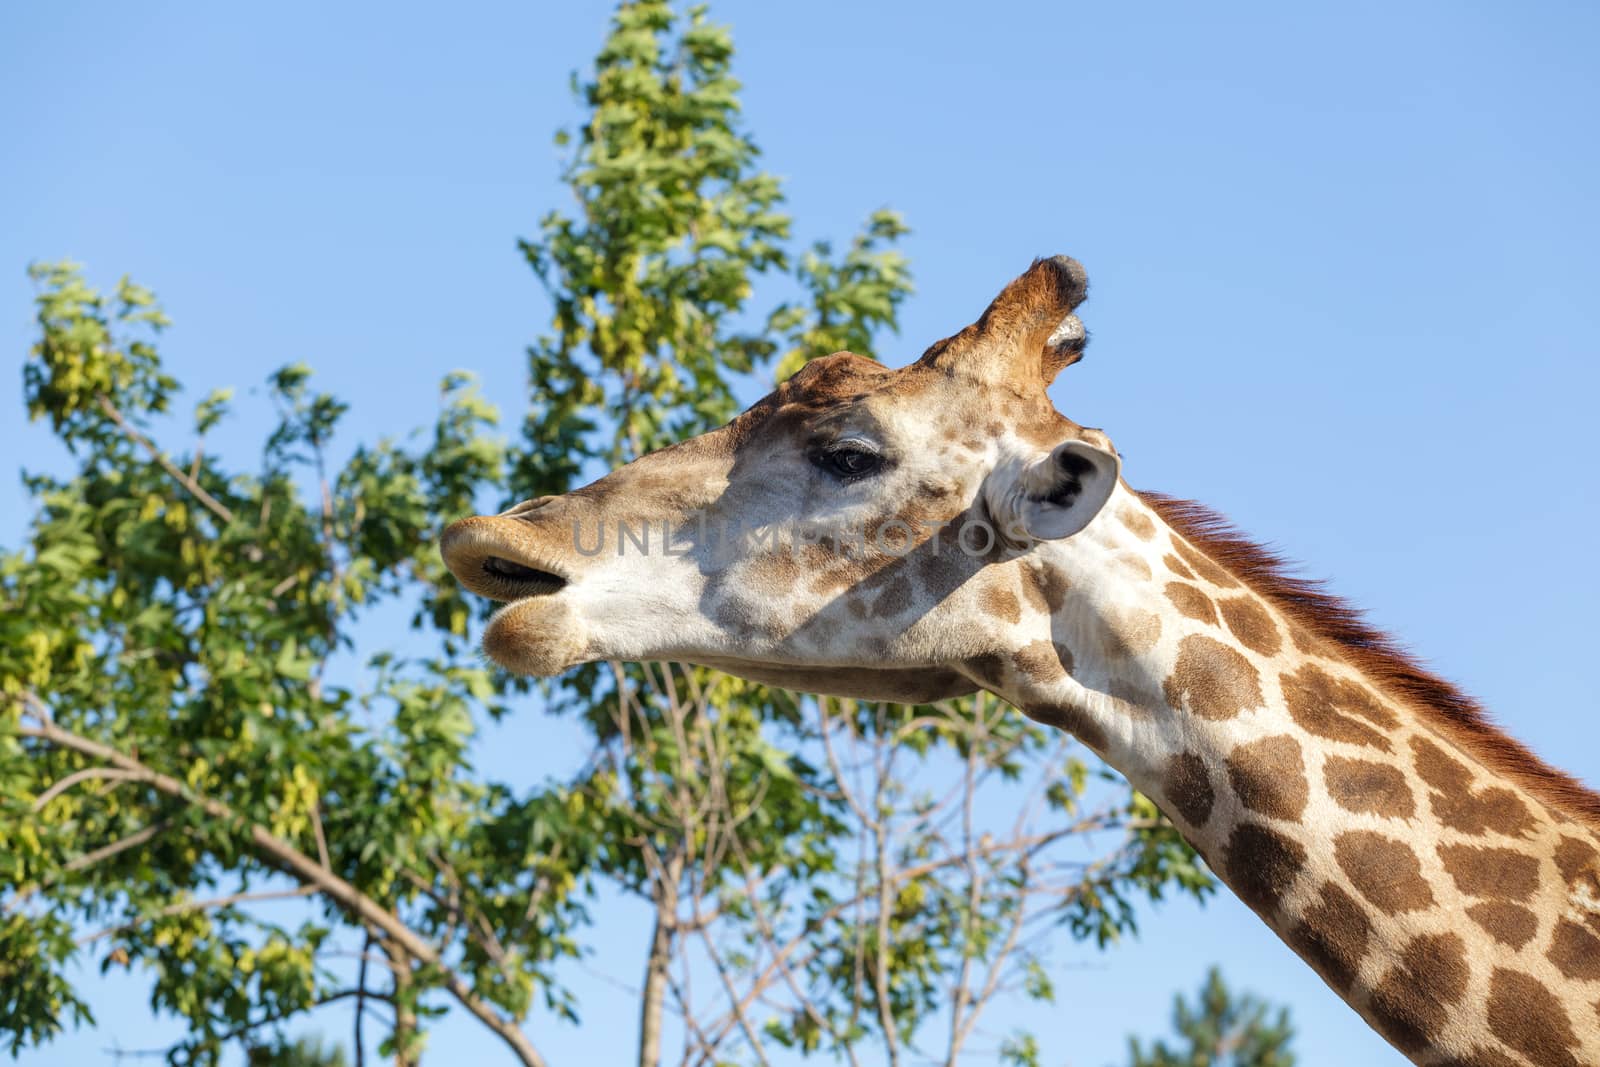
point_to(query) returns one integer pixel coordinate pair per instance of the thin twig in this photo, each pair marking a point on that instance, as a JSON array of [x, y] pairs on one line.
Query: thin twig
[[240, 1031], [198, 905], [133, 840], [882, 831], [361, 1002], [64, 784], [217, 507], [322, 838]]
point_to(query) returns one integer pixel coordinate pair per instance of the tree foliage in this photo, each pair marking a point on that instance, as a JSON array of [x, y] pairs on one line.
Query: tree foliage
[[300, 1052], [209, 777], [1221, 1029]]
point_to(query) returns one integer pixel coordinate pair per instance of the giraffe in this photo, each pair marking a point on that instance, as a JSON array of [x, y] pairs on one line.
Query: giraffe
[[917, 534]]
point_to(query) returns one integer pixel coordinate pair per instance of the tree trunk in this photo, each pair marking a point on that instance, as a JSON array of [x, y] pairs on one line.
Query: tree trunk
[[656, 964], [405, 1017]]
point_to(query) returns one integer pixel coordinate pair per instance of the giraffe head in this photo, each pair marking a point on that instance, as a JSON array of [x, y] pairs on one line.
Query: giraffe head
[[822, 540]]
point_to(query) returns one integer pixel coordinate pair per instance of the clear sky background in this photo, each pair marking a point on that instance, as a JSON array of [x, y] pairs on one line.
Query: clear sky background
[[1344, 266]]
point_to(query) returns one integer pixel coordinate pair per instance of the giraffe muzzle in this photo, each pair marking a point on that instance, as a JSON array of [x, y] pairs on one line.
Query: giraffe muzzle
[[496, 557]]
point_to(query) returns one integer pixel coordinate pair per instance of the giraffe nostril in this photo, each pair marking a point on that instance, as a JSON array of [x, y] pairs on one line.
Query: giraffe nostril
[[516, 511]]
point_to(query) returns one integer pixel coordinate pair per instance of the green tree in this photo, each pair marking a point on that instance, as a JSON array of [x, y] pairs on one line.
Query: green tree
[[301, 1052], [190, 727], [1221, 1030]]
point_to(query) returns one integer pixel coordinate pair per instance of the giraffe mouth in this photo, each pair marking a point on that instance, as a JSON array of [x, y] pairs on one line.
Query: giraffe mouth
[[498, 560], [520, 580]]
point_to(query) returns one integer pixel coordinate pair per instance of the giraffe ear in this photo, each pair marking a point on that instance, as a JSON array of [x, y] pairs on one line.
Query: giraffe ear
[[1059, 494], [1028, 333]]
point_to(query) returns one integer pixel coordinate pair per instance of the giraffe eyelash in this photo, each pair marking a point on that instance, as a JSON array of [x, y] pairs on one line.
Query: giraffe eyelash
[[850, 460]]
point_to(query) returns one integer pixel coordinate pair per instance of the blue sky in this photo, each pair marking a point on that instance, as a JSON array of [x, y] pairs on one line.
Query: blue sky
[[1343, 289]]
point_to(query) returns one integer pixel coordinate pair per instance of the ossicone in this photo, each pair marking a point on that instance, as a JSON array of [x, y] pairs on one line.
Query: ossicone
[[1028, 333]]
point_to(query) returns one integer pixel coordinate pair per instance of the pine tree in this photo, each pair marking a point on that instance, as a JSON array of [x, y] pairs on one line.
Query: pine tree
[[1221, 1030]]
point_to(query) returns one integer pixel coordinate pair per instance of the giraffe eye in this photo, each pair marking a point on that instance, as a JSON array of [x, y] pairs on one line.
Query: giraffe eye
[[848, 462]]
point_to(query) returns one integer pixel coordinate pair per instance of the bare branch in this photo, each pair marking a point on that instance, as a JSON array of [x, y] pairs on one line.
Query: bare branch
[[825, 730], [215, 506], [87, 773], [281, 854], [881, 831], [133, 840], [361, 1003], [958, 1021], [37, 707], [1028, 845], [726, 979], [322, 839], [959, 1035], [240, 1031], [769, 937], [88, 859], [198, 905]]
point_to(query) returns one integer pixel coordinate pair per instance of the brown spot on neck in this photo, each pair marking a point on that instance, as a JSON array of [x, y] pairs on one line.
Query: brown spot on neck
[[1309, 643], [1529, 1018], [1480, 1056], [1175, 565], [1574, 858], [1000, 602], [1329, 706], [1494, 873], [1044, 588], [1411, 1002], [1456, 804], [1509, 924], [1070, 718], [1365, 786], [1191, 602], [1187, 786], [1331, 935], [1384, 870], [1261, 865], [1212, 680], [1137, 522], [894, 599], [988, 669], [833, 580], [1135, 565], [1204, 567], [1269, 777], [1575, 951], [1043, 661], [1251, 624], [1126, 632]]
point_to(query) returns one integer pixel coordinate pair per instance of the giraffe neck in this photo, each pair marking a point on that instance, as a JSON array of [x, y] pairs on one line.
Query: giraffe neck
[[1451, 906]]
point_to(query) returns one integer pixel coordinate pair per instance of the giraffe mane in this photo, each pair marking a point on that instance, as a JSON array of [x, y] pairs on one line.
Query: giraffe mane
[[1376, 654]]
